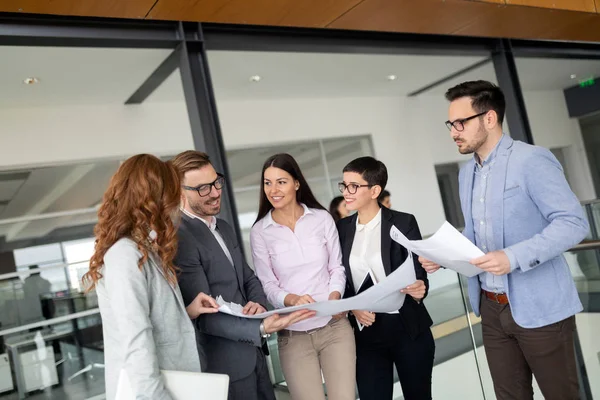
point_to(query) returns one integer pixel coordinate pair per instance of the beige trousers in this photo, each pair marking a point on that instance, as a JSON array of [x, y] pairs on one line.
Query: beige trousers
[[330, 350]]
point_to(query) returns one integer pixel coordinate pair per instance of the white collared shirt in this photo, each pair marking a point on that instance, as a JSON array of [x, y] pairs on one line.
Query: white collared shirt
[[212, 225], [366, 252]]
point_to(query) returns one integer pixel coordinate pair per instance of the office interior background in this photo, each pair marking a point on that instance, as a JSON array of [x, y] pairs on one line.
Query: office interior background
[[74, 105]]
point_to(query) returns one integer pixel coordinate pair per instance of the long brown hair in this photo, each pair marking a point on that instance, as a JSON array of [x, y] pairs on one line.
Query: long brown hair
[[143, 195], [287, 163]]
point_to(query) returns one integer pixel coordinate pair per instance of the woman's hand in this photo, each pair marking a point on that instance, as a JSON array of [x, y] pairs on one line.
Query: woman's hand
[[295, 300], [416, 290], [366, 318], [336, 296], [202, 304]]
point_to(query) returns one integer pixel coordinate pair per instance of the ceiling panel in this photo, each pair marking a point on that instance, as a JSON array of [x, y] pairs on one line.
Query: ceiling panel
[[306, 75], [423, 16], [519, 22], [96, 8], [305, 13], [40, 182], [9, 188], [554, 74], [574, 5], [535, 74], [69, 76], [89, 191], [586, 29]]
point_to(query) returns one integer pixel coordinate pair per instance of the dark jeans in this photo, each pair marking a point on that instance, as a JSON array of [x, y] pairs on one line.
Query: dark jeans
[[256, 386], [385, 344], [514, 353]]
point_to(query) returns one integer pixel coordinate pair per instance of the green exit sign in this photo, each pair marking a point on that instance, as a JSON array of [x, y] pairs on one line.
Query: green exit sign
[[587, 82]]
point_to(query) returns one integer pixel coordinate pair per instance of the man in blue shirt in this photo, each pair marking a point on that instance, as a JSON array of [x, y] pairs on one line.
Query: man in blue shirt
[[520, 211]]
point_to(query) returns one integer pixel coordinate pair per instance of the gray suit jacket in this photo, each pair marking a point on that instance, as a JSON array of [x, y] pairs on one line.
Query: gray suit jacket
[[229, 344], [145, 325]]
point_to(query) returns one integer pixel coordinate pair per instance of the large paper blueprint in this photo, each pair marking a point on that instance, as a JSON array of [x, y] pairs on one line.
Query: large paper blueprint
[[447, 247], [383, 297]]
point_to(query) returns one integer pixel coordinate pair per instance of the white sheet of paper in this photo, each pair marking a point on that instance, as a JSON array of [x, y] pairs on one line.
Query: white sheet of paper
[[383, 297], [447, 247], [182, 386]]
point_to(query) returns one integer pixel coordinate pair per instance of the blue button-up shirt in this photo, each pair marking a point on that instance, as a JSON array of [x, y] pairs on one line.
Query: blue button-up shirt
[[482, 216]]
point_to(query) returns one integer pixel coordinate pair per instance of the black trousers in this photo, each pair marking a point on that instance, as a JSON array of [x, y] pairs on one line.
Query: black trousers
[[382, 346], [256, 386]]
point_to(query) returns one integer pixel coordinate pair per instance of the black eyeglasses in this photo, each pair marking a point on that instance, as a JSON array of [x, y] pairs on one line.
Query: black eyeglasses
[[205, 189], [459, 124], [351, 187]]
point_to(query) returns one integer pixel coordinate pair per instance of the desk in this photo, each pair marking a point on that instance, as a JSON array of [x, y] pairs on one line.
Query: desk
[[28, 364], [6, 381]]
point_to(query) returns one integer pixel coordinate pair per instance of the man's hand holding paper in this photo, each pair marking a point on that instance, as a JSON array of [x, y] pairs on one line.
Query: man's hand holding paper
[[447, 247], [494, 262]]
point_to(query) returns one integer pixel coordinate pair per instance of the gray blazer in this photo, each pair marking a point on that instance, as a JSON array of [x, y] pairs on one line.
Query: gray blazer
[[229, 343], [145, 325]]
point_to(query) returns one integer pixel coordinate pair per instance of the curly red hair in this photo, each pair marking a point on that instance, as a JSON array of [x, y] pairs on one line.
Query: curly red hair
[[143, 195]]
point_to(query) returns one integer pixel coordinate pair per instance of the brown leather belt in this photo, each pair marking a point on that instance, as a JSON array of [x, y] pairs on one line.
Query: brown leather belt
[[500, 298]]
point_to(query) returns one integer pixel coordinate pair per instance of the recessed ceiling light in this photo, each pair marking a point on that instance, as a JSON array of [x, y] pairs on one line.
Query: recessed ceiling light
[[573, 76], [31, 81], [255, 78], [391, 77]]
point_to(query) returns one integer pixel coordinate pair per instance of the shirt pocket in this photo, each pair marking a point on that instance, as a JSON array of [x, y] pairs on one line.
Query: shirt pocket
[[279, 249], [314, 248]]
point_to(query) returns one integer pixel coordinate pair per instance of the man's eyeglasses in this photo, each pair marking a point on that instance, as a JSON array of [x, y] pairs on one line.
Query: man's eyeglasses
[[205, 189], [459, 124], [351, 187]]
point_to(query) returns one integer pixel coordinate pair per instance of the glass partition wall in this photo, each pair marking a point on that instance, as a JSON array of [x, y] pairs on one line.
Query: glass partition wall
[[243, 95]]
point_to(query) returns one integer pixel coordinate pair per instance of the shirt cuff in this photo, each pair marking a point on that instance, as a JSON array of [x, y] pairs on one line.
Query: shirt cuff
[[514, 264], [337, 288], [280, 299]]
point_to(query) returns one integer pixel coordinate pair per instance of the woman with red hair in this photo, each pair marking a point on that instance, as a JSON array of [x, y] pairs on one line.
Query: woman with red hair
[[146, 326]]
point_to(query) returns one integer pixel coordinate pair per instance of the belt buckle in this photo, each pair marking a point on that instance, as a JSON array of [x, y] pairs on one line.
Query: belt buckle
[[496, 297]]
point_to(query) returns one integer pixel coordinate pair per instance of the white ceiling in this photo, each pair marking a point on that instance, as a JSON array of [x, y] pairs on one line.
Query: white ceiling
[[100, 76], [73, 75], [534, 74]]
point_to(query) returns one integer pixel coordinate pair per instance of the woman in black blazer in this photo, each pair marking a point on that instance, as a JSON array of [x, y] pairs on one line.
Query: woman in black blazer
[[402, 338]]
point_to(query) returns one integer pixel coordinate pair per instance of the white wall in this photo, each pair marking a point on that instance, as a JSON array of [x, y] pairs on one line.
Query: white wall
[[552, 128], [56, 135], [413, 182], [408, 135]]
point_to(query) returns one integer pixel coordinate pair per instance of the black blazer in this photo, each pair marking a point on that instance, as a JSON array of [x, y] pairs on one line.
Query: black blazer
[[227, 344], [414, 315]]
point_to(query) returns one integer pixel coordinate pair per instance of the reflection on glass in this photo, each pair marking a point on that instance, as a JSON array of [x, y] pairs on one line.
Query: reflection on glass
[[60, 361]]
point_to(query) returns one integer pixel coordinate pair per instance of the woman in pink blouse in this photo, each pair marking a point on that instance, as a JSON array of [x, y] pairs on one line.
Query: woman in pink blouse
[[297, 257]]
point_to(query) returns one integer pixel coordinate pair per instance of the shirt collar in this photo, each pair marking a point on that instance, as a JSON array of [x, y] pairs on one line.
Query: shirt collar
[[491, 156], [371, 225], [212, 225], [268, 220]]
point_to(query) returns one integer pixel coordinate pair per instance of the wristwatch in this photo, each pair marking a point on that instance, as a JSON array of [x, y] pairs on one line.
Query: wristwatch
[[263, 333]]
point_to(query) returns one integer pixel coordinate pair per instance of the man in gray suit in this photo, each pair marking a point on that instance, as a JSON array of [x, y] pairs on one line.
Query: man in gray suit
[[211, 261]]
